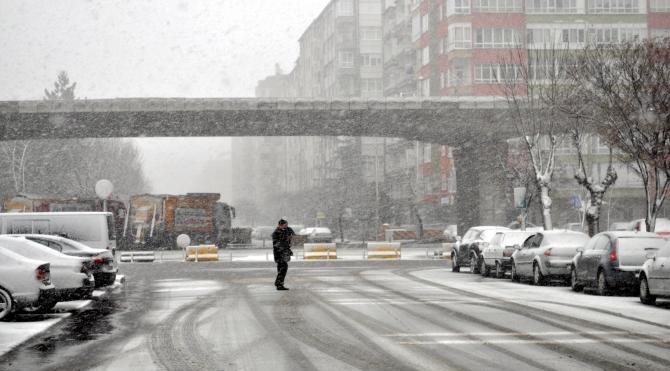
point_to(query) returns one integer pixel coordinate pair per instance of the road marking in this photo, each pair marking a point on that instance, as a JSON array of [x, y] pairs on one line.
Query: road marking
[[548, 341], [546, 333]]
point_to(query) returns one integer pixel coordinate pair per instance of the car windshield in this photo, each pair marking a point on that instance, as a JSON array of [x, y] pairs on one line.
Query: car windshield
[[511, 239]]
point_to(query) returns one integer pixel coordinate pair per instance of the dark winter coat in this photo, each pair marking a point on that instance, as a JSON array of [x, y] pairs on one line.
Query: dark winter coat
[[281, 244]]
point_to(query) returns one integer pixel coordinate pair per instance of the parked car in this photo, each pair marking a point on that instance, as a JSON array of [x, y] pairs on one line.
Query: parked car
[[655, 276], [70, 275], [547, 255], [94, 229], [497, 255], [662, 227], [317, 235], [612, 260], [620, 226], [262, 233], [467, 252], [103, 267], [25, 284]]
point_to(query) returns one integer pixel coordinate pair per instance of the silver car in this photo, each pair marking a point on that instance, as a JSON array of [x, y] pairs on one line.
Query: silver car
[[655, 276], [547, 255], [498, 254]]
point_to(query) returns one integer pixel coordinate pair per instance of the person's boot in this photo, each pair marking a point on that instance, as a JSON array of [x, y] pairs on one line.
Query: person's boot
[[282, 288]]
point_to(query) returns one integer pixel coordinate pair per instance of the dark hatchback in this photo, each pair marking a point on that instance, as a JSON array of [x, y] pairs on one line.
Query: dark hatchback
[[612, 260]]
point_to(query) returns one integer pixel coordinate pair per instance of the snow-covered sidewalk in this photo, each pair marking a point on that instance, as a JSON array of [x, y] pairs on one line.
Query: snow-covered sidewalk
[[17, 332]]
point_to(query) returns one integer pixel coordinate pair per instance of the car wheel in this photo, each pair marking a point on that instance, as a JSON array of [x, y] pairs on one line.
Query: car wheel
[[645, 296], [454, 264], [538, 278], [574, 283], [500, 273], [474, 265], [42, 308], [601, 284], [484, 269], [6, 304], [514, 275]]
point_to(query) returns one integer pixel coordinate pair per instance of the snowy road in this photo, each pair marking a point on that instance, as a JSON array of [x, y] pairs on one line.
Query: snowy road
[[353, 316]]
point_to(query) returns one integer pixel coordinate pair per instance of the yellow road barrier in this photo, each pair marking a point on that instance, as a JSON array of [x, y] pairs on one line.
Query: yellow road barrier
[[383, 250], [319, 251], [202, 253]]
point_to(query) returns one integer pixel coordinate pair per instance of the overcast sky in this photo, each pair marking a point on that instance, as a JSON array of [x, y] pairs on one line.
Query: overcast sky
[[151, 48]]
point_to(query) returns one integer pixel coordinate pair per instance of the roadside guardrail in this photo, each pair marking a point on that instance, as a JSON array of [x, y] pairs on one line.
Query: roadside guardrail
[[383, 250], [319, 251], [202, 253], [137, 257]]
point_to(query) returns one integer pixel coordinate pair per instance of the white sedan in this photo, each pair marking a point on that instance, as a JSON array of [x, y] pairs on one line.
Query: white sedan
[[655, 276], [24, 283], [71, 275]]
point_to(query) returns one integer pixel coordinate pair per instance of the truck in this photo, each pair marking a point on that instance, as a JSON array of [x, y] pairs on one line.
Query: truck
[[155, 221]]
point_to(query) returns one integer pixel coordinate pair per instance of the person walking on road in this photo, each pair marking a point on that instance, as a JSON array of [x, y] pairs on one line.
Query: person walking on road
[[281, 246]]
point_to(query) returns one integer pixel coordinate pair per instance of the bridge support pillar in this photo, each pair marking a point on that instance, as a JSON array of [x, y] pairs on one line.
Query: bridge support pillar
[[482, 186]]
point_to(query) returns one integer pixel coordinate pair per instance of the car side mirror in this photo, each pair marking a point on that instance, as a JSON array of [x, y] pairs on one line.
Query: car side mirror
[[458, 238], [580, 249], [651, 255], [517, 247]]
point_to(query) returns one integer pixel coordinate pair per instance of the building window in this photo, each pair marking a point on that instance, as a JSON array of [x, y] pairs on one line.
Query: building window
[[425, 23], [460, 36], [551, 6], [372, 60], [488, 73], [369, 7], [459, 73], [660, 32], [425, 56], [346, 59], [614, 6], [416, 27], [345, 7], [660, 6], [540, 36], [371, 33], [573, 36], [611, 34], [497, 6], [456, 7], [495, 38], [424, 87], [371, 87]]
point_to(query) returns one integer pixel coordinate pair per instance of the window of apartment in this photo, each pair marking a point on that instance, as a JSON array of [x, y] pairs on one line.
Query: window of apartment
[[605, 34], [425, 56], [424, 87], [345, 7], [488, 73], [495, 38], [425, 23], [497, 6], [372, 60], [573, 36], [371, 86], [456, 7], [346, 59], [459, 73], [371, 33], [551, 6], [540, 36], [614, 6], [416, 27], [660, 6], [369, 7], [660, 32], [460, 36]]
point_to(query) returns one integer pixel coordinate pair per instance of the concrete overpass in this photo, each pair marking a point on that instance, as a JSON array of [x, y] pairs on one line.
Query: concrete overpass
[[475, 126]]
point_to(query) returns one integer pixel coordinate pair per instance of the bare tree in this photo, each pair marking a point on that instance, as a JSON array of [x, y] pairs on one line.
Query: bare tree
[[629, 87], [531, 82]]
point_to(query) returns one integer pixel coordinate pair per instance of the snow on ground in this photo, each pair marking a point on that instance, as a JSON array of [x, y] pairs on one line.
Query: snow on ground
[[610, 310], [17, 332]]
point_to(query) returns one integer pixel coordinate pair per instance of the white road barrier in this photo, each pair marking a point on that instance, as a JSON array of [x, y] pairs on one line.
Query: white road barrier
[[383, 250], [137, 257], [320, 251]]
